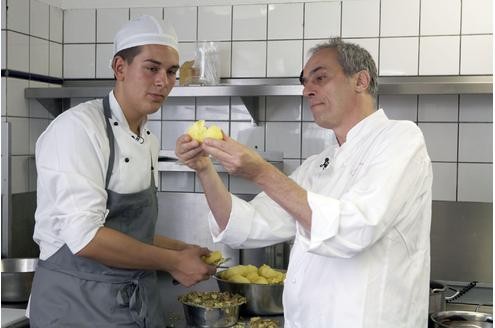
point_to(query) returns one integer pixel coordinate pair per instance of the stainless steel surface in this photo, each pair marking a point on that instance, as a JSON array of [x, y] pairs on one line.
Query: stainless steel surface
[[438, 296], [197, 316], [461, 241], [6, 190], [261, 299], [17, 277], [250, 89], [462, 319]]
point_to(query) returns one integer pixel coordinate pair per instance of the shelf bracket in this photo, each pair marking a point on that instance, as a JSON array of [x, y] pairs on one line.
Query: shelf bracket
[[55, 106], [252, 105]]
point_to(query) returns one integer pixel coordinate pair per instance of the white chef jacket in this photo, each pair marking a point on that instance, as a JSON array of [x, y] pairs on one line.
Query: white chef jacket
[[366, 260], [71, 160]]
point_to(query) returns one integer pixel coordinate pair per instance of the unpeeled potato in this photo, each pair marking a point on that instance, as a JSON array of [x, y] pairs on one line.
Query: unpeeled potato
[[199, 131]]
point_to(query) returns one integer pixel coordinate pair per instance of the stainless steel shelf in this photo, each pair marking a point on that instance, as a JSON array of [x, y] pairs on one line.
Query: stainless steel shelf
[[57, 100]]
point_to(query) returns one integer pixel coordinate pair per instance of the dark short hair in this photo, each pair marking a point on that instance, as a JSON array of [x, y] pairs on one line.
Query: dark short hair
[[353, 58], [128, 54]]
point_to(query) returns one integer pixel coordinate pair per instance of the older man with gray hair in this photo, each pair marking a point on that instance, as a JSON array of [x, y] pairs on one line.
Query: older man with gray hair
[[359, 212]]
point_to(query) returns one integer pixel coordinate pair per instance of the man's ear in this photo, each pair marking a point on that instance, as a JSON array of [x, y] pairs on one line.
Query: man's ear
[[118, 66], [362, 81]]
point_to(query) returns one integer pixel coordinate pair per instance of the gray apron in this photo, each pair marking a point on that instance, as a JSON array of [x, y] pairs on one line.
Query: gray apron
[[74, 291]]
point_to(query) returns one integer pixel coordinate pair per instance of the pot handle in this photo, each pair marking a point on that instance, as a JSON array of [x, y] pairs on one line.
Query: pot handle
[[459, 293], [453, 296]]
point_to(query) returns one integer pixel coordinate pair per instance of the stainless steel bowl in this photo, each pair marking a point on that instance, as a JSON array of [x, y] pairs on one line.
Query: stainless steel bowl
[[460, 319], [260, 299], [197, 316], [17, 277]]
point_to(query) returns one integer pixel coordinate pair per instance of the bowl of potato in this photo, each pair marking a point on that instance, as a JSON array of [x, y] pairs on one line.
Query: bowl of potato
[[262, 286]]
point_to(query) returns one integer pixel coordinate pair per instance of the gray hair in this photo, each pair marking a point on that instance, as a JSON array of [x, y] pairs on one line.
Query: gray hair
[[353, 59]]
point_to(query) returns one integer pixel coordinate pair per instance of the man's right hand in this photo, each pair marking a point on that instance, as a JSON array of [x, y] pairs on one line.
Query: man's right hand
[[189, 151], [190, 268]]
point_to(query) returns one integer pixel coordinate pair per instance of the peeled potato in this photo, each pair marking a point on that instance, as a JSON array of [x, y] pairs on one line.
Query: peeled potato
[[252, 276], [214, 132], [260, 280], [198, 131], [240, 279], [213, 258]]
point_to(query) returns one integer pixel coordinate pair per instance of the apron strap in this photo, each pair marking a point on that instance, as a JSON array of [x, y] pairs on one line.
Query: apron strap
[[111, 160]]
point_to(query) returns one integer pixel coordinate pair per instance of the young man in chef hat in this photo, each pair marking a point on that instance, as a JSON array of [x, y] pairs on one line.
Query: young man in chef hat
[[96, 198], [359, 212]]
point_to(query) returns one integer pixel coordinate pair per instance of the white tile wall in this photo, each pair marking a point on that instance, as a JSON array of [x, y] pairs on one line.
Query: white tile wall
[[474, 146], [249, 59], [79, 61], [441, 140], [20, 180], [38, 56], [284, 58], [19, 138], [171, 130], [476, 108], [109, 21], [439, 55], [212, 108], [177, 181], [36, 127], [104, 57], [4, 14], [321, 20], [399, 107], [184, 20], [476, 54], [17, 51], [440, 17], [283, 108], [475, 183], [399, 17], [56, 24], [290, 144], [155, 12], [279, 15], [214, 23], [18, 15], [249, 22], [17, 105], [444, 181], [39, 25], [360, 18], [79, 26], [477, 16], [248, 134], [182, 108], [55, 60], [438, 108], [399, 56], [4, 97], [4, 49]]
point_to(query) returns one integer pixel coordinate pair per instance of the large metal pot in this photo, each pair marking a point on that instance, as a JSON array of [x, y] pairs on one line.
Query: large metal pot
[[438, 298], [260, 299], [450, 319], [17, 277]]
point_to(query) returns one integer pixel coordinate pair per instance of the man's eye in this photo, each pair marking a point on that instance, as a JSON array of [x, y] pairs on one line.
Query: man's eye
[[153, 69], [172, 72]]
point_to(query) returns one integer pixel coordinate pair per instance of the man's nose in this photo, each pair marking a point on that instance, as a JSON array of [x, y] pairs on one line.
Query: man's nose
[[161, 79], [308, 91]]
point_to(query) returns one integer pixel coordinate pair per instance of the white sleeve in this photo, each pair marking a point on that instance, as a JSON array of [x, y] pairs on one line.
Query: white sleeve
[[71, 179], [258, 223], [389, 190]]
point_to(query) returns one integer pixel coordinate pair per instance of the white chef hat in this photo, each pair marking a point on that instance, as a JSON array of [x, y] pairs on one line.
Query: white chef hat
[[144, 30]]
